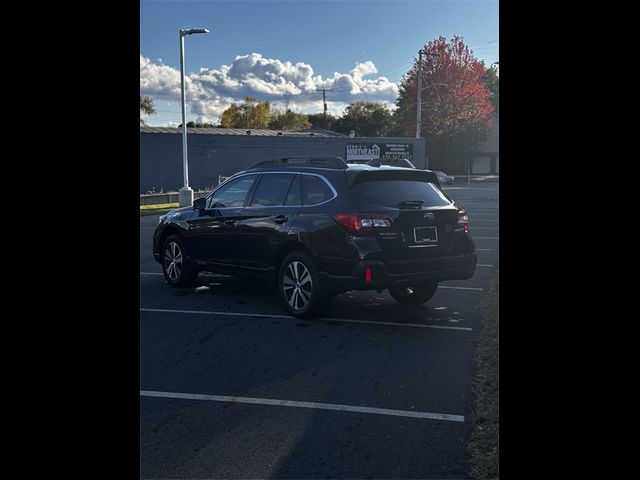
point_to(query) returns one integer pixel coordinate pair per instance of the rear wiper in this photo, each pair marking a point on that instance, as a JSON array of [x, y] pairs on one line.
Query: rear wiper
[[409, 203]]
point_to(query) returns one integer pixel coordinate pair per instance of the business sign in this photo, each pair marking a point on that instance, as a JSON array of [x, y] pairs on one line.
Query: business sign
[[363, 152], [397, 151]]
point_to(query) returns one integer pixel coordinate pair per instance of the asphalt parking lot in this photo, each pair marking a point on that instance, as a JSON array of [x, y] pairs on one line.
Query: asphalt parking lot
[[232, 387]]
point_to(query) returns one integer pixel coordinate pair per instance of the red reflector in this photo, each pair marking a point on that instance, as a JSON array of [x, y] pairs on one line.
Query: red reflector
[[463, 219], [368, 274]]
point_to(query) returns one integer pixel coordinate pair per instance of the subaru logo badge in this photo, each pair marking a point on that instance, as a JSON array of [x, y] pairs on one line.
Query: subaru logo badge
[[429, 216]]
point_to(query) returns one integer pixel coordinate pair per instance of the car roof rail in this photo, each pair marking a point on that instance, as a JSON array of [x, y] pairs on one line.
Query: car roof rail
[[374, 163], [319, 162], [399, 162]]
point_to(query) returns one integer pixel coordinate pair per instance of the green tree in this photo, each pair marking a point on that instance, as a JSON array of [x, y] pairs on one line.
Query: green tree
[[492, 81], [232, 117], [366, 119], [249, 114], [288, 121], [456, 103], [146, 108], [318, 120], [192, 124]]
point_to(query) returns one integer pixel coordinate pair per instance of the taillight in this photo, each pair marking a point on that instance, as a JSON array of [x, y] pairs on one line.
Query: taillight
[[463, 219], [368, 275], [362, 223]]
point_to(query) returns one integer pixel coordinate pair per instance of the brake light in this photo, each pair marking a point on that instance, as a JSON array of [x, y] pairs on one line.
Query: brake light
[[368, 275], [362, 223], [463, 219]]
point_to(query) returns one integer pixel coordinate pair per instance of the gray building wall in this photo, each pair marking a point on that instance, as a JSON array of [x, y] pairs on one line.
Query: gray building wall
[[213, 155]]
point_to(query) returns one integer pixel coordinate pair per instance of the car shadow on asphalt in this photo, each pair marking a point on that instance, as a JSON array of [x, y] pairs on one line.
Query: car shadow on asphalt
[[253, 296]]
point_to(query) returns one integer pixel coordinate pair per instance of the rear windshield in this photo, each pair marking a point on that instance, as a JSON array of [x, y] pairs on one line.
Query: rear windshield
[[391, 193]]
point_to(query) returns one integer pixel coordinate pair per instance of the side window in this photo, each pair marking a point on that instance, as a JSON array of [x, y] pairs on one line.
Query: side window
[[271, 190], [294, 197], [233, 194], [315, 190]]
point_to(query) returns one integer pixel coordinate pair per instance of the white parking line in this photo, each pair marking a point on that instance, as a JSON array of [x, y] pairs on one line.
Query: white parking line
[[289, 317], [206, 274], [460, 288], [486, 238], [483, 265], [472, 188], [314, 405], [484, 249]]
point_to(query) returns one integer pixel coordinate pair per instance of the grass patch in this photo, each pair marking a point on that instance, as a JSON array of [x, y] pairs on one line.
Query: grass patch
[[484, 443], [157, 209]]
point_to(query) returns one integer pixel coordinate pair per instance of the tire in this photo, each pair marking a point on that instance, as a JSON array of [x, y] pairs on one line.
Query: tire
[[180, 273], [299, 285], [422, 292]]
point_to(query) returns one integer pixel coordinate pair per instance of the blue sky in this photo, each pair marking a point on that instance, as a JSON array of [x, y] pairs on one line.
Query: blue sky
[[288, 49]]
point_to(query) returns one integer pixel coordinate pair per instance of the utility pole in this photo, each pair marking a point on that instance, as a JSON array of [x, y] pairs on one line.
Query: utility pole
[[324, 100], [419, 96], [419, 93]]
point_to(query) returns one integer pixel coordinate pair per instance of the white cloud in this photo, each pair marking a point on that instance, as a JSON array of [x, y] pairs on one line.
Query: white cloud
[[163, 124], [211, 91]]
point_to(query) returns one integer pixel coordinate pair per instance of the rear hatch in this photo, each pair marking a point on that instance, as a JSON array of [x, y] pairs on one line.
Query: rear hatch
[[423, 219]]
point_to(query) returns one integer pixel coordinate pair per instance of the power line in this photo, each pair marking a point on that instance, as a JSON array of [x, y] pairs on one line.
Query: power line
[[395, 66], [396, 70], [484, 43]]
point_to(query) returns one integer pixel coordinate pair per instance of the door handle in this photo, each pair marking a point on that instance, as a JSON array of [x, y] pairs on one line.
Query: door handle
[[280, 219], [229, 222]]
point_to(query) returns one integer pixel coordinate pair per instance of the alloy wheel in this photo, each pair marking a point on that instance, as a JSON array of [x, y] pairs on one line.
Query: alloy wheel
[[173, 261], [297, 285]]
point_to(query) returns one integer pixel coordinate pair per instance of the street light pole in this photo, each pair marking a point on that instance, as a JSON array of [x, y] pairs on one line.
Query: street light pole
[[183, 100], [186, 193]]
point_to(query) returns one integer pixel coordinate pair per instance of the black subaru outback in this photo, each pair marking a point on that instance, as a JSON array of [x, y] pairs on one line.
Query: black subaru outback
[[317, 226]]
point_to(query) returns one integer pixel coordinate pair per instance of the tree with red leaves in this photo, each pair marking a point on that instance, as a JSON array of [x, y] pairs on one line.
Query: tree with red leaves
[[456, 103]]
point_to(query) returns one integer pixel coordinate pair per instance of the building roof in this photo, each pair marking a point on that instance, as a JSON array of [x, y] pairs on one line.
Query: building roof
[[320, 132], [492, 143], [307, 132]]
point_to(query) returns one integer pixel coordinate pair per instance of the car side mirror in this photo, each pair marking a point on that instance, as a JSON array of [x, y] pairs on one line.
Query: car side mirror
[[200, 204]]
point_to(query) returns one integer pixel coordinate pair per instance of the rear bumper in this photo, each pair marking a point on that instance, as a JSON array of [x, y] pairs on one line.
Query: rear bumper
[[457, 267]]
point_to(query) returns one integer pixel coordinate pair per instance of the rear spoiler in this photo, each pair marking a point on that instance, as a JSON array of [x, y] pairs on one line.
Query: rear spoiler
[[359, 176]]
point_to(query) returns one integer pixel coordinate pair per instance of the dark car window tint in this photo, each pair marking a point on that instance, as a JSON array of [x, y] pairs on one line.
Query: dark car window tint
[[233, 194], [294, 196], [392, 192], [271, 190], [315, 190]]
